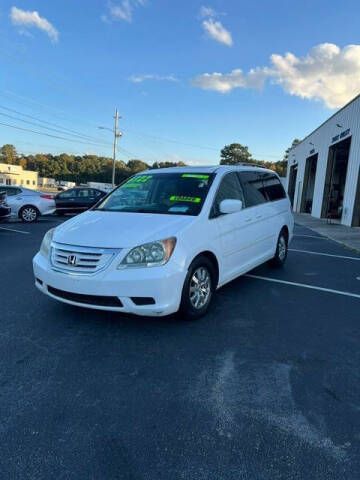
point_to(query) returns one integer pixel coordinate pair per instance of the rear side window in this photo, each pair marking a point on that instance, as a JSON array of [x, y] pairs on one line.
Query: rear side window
[[230, 189], [273, 188], [11, 191], [68, 194], [253, 187]]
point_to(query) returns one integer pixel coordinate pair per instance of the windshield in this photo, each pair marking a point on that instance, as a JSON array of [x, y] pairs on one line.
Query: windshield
[[166, 193]]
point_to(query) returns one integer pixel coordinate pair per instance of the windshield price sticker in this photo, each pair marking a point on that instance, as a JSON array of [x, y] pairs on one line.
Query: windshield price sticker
[[195, 175], [182, 198], [135, 182], [179, 209], [141, 179]]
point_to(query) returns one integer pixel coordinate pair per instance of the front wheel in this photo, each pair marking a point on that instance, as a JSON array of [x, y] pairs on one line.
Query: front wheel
[[29, 214], [198, 289], [281, 251]]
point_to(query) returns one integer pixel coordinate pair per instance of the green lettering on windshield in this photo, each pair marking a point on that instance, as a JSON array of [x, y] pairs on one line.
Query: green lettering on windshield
[[195, 175], [141, 178], [182, 198], [136, 181]]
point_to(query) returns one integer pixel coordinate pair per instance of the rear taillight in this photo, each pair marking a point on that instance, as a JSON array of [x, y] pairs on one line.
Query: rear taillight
[[48, 197]]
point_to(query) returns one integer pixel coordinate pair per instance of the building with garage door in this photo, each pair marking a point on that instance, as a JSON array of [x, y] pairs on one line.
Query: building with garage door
[[323, 169]]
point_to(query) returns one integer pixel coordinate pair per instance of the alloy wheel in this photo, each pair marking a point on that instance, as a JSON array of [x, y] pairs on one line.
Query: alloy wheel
[[282, 247], [29, 214], [200, 287]]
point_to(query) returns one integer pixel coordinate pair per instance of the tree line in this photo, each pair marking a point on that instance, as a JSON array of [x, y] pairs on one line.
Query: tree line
[[85, 168]]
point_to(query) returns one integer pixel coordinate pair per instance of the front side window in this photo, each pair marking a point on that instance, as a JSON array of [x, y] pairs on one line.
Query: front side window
[[163, 193], [230, 189], [253, 186], [273, 188]]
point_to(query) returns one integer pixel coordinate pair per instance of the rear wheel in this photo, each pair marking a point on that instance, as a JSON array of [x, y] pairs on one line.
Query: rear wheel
[[281, 250], [198, 289], [28, 214]]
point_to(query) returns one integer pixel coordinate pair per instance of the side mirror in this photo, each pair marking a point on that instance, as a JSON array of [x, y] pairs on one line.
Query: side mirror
[[230, 206]]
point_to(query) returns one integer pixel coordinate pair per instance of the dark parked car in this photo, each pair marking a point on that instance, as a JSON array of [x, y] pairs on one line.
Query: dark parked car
[[5, 210], [77, 200]]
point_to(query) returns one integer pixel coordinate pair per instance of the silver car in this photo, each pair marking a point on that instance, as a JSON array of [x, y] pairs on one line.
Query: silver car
[[28, 204]]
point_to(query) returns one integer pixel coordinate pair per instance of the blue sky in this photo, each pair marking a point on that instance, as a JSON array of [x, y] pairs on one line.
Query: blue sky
[[73, 62]]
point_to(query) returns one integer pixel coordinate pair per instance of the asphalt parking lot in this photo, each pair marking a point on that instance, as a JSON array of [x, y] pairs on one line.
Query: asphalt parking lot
[[266, 386]]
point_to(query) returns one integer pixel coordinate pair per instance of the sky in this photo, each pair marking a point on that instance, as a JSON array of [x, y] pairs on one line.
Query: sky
[[187, 77]]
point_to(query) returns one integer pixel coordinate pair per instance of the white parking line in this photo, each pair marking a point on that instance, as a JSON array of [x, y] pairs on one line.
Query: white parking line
[[13, 230], [304, 285], [325, 254]]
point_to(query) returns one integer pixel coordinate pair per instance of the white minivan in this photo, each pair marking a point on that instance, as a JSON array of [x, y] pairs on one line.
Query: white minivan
[[165, 240]]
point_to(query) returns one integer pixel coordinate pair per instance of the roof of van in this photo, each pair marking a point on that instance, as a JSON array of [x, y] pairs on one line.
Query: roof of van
[[208, 169]]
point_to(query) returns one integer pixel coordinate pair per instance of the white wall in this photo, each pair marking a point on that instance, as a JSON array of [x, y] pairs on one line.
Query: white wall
[[348, 118]]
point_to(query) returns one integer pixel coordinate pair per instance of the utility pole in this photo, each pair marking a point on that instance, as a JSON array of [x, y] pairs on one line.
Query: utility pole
[[116, 135]]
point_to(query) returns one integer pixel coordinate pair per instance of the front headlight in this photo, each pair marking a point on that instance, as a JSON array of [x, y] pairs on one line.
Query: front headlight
[[45, 244], [151, 254]]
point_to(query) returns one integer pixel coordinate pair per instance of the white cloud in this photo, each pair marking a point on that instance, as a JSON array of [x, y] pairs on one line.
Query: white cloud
[[217, 31], [327, 73], [32, 19], [152, 76], [235, 79], [207, 12], [123, 10]]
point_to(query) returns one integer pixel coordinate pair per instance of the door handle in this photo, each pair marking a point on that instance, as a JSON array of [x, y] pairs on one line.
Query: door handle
[[258, 217], [247, 220]]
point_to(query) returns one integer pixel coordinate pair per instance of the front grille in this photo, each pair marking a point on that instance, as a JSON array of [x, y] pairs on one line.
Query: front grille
[[99, 300], [81, 260]]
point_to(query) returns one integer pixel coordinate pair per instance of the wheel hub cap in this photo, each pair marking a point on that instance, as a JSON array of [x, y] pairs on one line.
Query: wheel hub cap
[[282, 248], [29, 214], [200, 287]]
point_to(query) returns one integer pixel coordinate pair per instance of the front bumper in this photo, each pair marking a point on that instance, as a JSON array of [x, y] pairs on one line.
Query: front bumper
[[49, 212], [163, 284]]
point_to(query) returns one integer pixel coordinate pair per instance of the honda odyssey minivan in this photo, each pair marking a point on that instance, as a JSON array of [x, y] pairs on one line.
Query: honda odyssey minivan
[[165, 240]]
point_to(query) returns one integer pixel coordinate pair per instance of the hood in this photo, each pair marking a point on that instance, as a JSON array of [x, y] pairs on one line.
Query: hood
[[119, 229]]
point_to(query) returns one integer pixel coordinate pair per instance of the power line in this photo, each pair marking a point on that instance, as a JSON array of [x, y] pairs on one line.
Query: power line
[[65, 130], [43, 133], [52, 129], [23, 100]]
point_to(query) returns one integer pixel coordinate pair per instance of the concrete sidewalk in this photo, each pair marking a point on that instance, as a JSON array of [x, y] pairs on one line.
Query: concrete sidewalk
[[347, 236]]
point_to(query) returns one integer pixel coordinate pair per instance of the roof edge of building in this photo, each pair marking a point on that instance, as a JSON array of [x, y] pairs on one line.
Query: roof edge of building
[[327, 120]]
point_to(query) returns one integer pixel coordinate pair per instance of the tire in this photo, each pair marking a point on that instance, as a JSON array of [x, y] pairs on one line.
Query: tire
[[29, 214], [196, 300], [281, 250]]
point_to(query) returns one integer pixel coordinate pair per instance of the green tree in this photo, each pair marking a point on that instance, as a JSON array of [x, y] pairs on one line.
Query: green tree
[[282, 164], [8, 154], [137, 166], [234, 153], [295, 142]]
